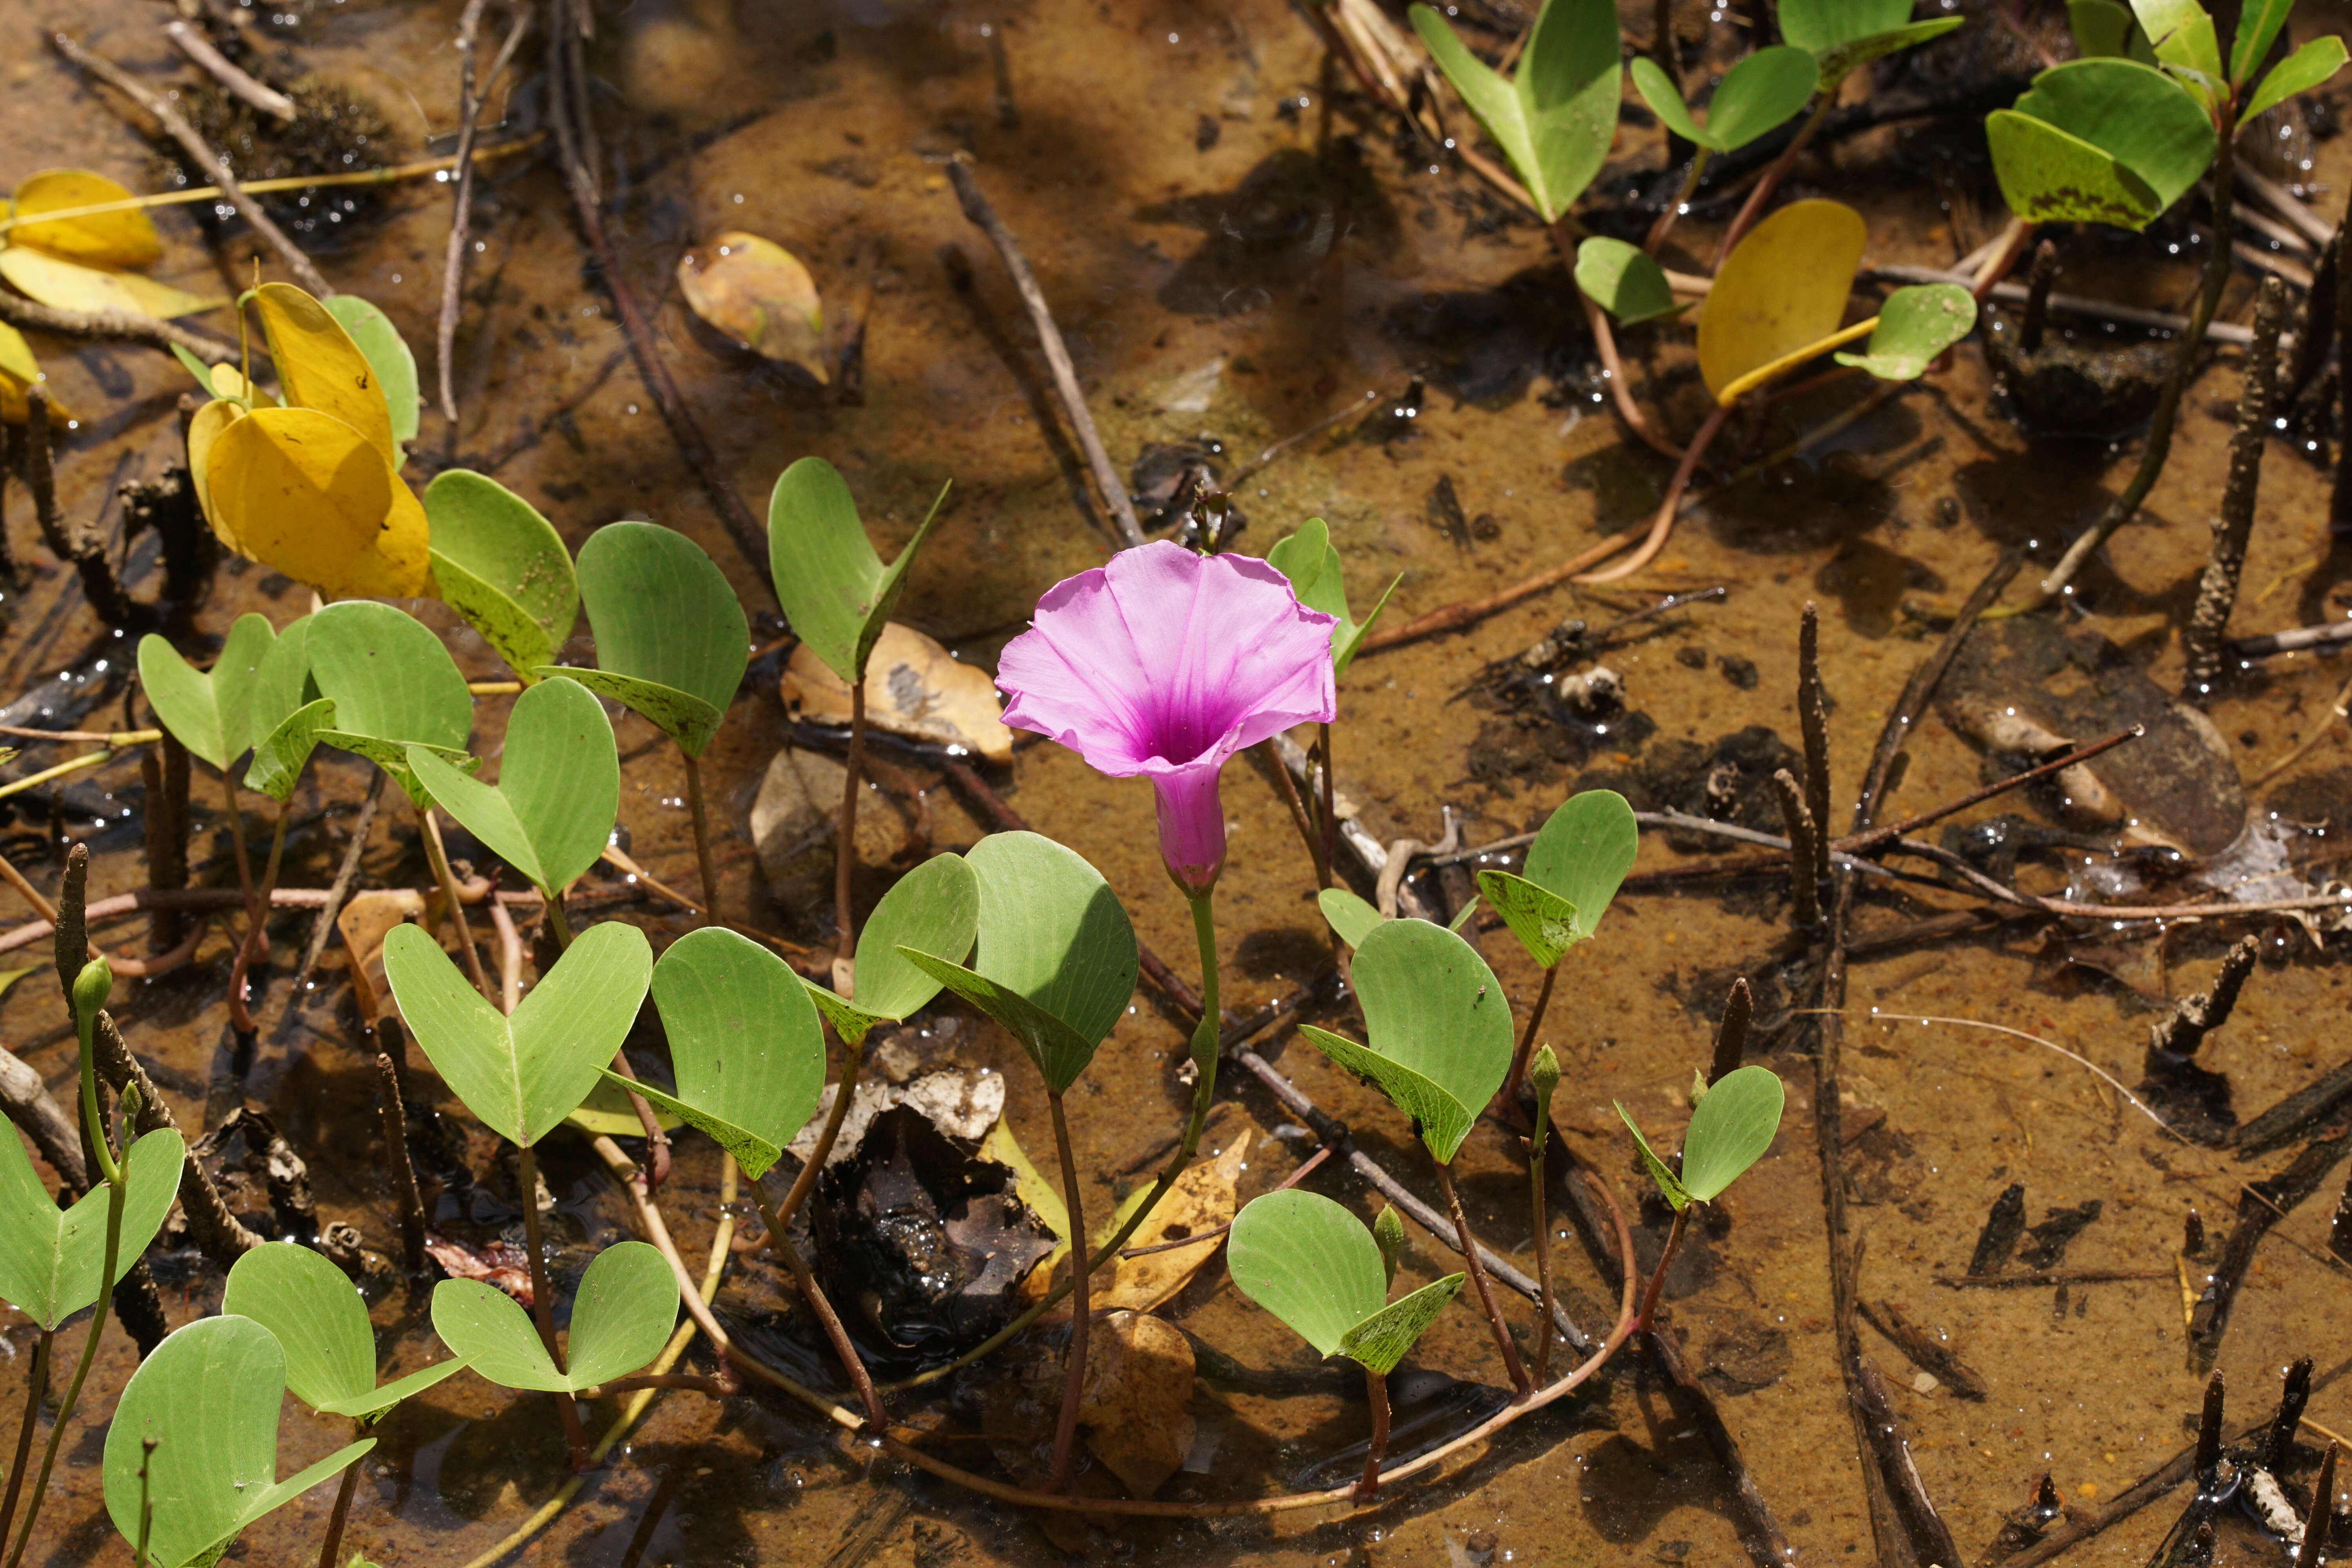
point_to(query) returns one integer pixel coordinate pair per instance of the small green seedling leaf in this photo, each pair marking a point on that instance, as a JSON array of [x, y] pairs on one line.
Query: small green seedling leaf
[[1756, 96], [521, 1075], [1312, 563], [1660, 1172], [671, 639], [1730, 1130], [1439, 1025], [209, 1398], [2299, 72], [1916, 325], [1056, 960], [1623, 280], [625, 1307], [1349, 915], [500, 565], [1388, 1234], [281, 683], [1318, 1269], [394, 686], [2106, 141], [322, 1326], [1582, 852], [745, 1041], [835, 589], [2105, 30], [208, 712], [550, 814], [933, 908], [2182, 34], [1463, 916], [1843, 33], [52, 1260], [1556, 117], [1544, 923], [387, 354], [278, 757]]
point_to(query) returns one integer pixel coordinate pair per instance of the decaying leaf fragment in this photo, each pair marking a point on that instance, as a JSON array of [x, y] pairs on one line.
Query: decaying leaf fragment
[[1137, 1404], [914, 688], [758, 294]]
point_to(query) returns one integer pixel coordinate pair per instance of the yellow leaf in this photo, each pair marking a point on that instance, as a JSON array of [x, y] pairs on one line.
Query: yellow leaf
[[103, 240], [320, 368], [204, 429], [1202, 1200], [306, 493], [16, 355], [74, 286], [1782, 288], [758, 293], [229, 382]]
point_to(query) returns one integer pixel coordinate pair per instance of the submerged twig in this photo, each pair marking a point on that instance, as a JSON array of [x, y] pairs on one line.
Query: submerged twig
[[1804, 850], [80, 546], [453, 267], [2217, 592], [403, 1170], [213, 63]]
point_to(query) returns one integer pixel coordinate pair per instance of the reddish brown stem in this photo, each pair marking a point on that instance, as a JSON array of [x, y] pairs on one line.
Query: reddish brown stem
[[1519, 1073], [1376, 1386], [842, 1094], [543, 1310], [844, 846], [1658, 1276], [701, 839], [1477, 1271], [828, 1319], [1065, 1430], [1663, 523]]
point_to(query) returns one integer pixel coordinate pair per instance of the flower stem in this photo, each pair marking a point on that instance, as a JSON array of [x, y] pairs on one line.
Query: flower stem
[[1329, 822], [828, 1319], [844, 846], [542, 1311], [37, 1387], [1207, 1034], [438, 857], [1658, 1276], [1539, 1211], [702, 837], [333, 1544], [843, 1093], [1519, 1073], [1376, 1385], [1477, 1271], [1065, 1431]]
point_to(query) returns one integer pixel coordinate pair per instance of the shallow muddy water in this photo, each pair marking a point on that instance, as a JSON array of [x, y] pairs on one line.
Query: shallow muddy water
[[1237, 245]]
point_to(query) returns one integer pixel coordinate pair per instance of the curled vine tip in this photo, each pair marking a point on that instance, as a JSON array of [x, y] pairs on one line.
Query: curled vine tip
[[1544, 1072], [91, 987]]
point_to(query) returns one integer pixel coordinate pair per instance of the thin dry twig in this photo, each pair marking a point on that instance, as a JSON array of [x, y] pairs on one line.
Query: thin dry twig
[[217, 65], [453, 267], [113, 326]]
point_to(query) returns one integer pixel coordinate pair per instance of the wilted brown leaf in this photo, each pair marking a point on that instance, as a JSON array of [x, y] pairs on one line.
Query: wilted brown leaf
[[913, 688], [364, 921], [1203, 1199], [758, 293], [1136, 1404]]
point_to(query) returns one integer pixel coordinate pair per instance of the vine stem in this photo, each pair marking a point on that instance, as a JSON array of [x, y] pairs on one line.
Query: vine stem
[[256, 936], [1376, 1388], [1658, 1275], [1663, 523], [36, 1385], [438, 857], [1519, 1073], [241, 1020], [542, 1312], [1065, 1430], [1774, 172], [333, 1544], [702, 837], [1665, 226], [1538, 1210], [1325, 788], [828, 1319], [1520, 1386], [851, 1062]]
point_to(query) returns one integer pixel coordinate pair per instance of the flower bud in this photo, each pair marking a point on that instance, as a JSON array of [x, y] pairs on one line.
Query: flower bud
[[1544, 1072], [1388, 1232], [91, 987]]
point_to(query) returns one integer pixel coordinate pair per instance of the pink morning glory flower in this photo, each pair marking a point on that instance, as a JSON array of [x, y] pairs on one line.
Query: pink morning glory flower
[[1165, 663]]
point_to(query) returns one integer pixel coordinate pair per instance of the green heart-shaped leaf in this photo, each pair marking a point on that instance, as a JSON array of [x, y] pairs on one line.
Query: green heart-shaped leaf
[[933, 908], [552, 812], [1556, 118], [1582, 852], [522, 1075], [833, 586], [282, 683], [52, 1260], [2106, 141], [1623, 280], [1312, 563], [625, 1307], [209, 1398], [280, 756], [1730, 1130], [387, 354], [502, 565], [1309, 1262], [1915, 325], [744, 1040], [322, 1326], [1439, 1026], [1660, 1172], [208, 712], [1544, 923], [1349, 915], [2299, 72], [671, 639], [1380, 1340], [1758, 95], [392, 683]]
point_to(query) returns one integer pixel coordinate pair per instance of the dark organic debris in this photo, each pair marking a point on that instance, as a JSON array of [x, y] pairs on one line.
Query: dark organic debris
[[498, 1263], [2004, 1223], [334, 132], [1928, 1350], [2068, 388], [2056, 1233]]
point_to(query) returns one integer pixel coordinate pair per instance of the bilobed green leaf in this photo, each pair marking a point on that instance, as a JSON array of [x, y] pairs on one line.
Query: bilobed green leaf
[[2182, 34], [550, 814], [1759, 95], [1544, 923], [209, 1398], [1623, 280], [208, 712], [2299, 72], [392, 756], [500, 565], [522, 1075], [1312, 563], [625, 1307], [835, 589], [1660, 1172], [1309, 1262], [392, 682], [1439, 1028], [1915, 325], [665, 620], [1730, 1130], [281, 683], [752, 1152], [278, 757], [744, 1040], [387, 354], [53, 1260], [1582, 852], [1349, 915], [320, 1323], [933, 908], [1051, 932], [1060, 1052], [1381, 1341], [607, 1113]]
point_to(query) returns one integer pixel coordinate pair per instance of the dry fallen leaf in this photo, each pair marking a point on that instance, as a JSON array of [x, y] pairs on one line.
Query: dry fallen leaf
[[77, 286], [1137, 1404], [502, 1264], [760, 294], [364, 921], [914, 688], [1203, 1199]]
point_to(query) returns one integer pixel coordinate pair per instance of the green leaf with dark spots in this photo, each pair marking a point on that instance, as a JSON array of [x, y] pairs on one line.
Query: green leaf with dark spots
[[500, 565]]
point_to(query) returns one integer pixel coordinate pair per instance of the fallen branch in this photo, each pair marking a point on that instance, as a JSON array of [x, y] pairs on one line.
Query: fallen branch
[[113, 326], [453, 267], [213, 63]]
